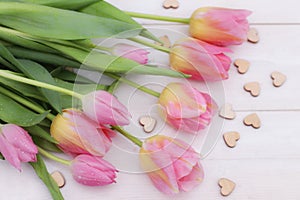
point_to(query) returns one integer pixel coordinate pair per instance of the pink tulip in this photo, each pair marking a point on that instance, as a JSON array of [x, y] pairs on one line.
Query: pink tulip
[[77, 134], [104, 108], [186, 108], [16, 145], [92, 171], [201, 60], [220, 26], [131, 52], [171, 164]]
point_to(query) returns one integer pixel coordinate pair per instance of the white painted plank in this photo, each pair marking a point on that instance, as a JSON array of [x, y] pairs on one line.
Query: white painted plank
[[255, 178], [265, 11]]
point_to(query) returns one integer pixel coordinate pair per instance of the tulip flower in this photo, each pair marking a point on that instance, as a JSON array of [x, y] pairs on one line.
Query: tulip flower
[[77, 134], [186, 108], [16, 145], [131, 52], [171, 164], [201, 60], [104, 108], [92, 171], [220, 26]]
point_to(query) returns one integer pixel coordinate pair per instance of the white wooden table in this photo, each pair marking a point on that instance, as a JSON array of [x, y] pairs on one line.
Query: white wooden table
[[266, 162]]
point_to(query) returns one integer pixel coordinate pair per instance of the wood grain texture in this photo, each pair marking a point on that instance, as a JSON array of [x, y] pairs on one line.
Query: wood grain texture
[[266, 162]]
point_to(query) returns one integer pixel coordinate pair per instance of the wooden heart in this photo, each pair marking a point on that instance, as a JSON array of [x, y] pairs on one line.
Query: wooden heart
[[227, 112], [165, 40], [278, 78], [148, 123], [227, 186], [171, 4], [231, 138], [58, 178], [252, 35], [253, 88], [252, 120], [242, 65]]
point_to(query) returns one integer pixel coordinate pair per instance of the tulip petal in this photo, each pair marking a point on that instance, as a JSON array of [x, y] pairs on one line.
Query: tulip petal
[[9, 152]]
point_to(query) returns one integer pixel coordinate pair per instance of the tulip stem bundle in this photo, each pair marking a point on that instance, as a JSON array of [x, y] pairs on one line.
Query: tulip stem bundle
[[53, 157], [133, 84], [158, 17], [9, 75], [132, 138], [149, 44]]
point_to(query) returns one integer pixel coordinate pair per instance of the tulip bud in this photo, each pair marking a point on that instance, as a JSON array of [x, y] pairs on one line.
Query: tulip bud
[[77, 134], [131, 52], [104, 108], [16, 145], [186, 108], [201, 60], [220, 26], [92, 171], [171, 164]]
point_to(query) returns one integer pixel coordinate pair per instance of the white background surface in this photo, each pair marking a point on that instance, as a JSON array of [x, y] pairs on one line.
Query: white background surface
[[266, 162]]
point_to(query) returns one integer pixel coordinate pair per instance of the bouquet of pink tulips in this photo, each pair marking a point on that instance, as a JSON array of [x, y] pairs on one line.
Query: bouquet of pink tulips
[[42, 112]]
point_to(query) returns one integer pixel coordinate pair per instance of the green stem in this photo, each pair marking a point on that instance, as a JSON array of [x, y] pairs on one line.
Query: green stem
[[149, 44], [133, 139], [6, 74], [53, 157], [158, 17], [25, 102], [135, 85]]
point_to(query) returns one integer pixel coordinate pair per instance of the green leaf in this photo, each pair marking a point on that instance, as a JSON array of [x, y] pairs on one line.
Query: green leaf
[[42, 57], [41, 170], [25, 89], [48, 22], [67, 75], [12, 112], [41, 132], [72, 5], [105, 9], [80, 88], [35, 71], [16, 38], [45, 144], [1, 157], [102, 62]]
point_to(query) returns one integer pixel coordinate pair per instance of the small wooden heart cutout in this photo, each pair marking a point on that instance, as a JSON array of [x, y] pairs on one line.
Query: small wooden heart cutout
[[252, 35], [227, 186], [252, 120], [278, 78], [148, 123], [253, 88], [231, 138], [58, 178], [227, 112], [166, 41], [242, 65], [171, 4]]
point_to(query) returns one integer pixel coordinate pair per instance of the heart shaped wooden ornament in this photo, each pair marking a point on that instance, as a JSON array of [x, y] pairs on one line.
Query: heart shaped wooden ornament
[[58, 178], [171, 4], [148, 123], [252, 35], [242, 65], [227, 186], [278, 78], [253, 88], [227, 112], [231, 138], [252, 120]]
